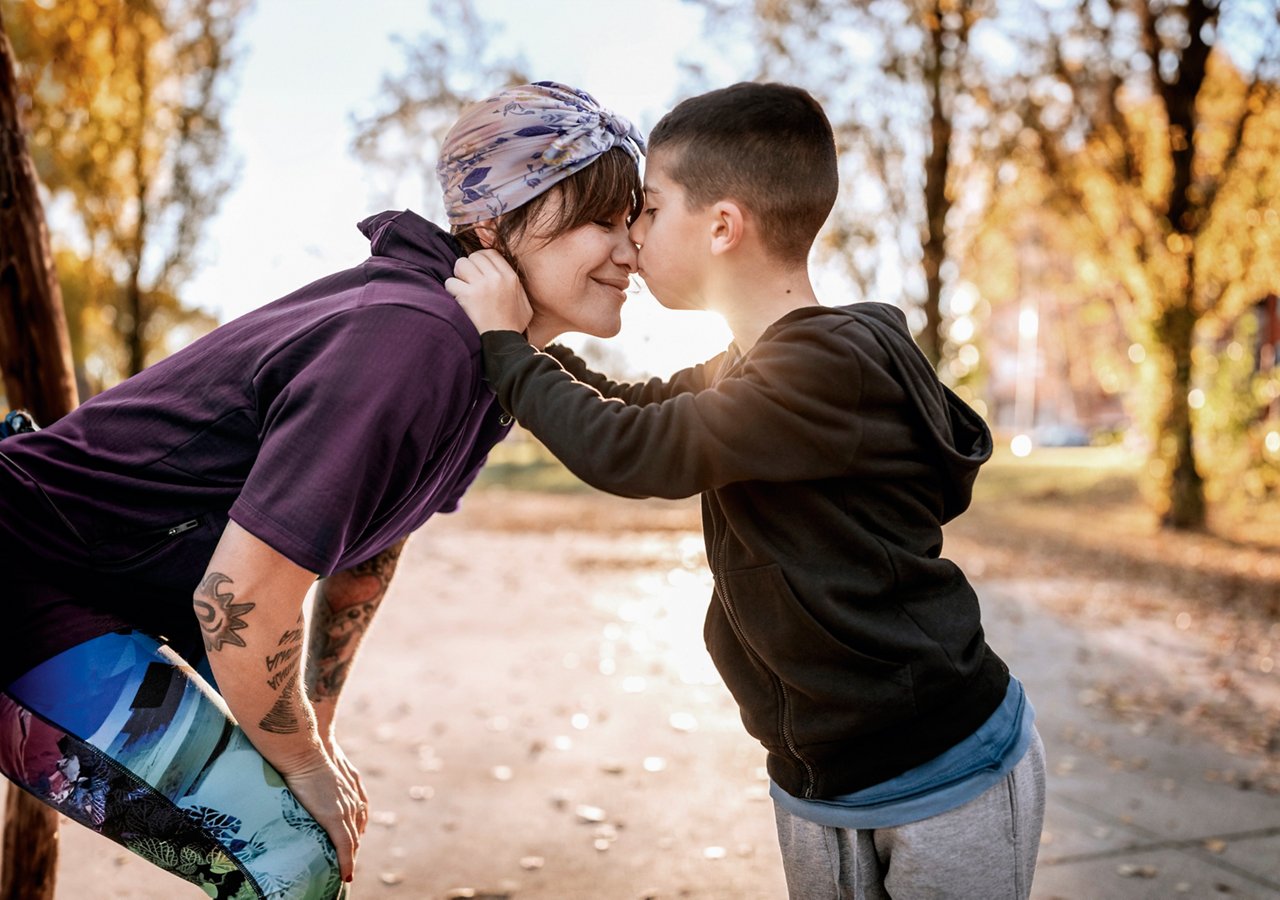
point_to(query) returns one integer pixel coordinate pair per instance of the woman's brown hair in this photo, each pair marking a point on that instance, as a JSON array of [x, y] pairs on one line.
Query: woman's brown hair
[[607, 188]]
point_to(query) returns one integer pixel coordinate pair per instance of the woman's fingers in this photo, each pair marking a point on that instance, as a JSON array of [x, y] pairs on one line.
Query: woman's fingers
[[328, 794]]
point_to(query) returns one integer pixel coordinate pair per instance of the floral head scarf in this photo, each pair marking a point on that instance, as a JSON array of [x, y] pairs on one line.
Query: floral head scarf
[[504, 151]]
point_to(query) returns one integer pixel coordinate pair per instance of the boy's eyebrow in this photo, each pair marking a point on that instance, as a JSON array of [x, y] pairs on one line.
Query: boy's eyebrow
[[650, 189]]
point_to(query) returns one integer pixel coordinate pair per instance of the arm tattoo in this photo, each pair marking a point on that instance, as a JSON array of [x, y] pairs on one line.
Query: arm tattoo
[[220, 616], [282, 670], [341, 616]]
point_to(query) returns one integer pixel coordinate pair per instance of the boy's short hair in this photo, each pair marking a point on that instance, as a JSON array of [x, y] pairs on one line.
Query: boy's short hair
[[766, 146]]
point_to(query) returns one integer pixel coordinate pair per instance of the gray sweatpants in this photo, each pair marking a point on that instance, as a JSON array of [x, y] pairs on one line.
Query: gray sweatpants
[[984, 850]]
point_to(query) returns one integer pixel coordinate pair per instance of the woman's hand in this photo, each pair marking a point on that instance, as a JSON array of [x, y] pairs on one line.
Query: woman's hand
[[345, 766], [490, 293], [334, 801]]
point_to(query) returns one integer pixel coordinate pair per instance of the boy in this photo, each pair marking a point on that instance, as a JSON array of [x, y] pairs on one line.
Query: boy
[[903, 756]]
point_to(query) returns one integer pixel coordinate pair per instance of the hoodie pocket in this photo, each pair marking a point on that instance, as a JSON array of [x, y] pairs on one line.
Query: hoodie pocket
[[835, 691]]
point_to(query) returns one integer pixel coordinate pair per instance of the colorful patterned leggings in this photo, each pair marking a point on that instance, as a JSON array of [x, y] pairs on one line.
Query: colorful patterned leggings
[[125, 737]]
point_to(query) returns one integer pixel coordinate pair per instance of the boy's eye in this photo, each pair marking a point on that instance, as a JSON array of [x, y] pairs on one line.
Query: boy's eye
[[651, 211]]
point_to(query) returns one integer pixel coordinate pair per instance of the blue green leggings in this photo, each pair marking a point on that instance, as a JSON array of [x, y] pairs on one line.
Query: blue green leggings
[[125, 737]]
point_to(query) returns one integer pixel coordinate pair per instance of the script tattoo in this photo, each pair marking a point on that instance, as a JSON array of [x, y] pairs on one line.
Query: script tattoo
[[282, 668], [340, 618], [219, 614]]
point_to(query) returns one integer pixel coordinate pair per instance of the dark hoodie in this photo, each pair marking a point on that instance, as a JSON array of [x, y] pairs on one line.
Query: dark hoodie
[[828, 458], [329, 424]]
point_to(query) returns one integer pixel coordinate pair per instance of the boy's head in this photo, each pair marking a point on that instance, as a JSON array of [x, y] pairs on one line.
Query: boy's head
[[768, 147]]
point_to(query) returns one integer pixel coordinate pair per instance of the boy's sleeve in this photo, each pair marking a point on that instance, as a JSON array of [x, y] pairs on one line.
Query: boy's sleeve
[[787, 414], [350, 414], [654, 390]]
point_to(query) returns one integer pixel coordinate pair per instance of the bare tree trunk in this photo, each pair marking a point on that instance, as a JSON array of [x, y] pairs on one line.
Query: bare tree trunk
[[1184, 486], [35, 350], [936, 201], [1175, 326], [35, 353], [133, 287]]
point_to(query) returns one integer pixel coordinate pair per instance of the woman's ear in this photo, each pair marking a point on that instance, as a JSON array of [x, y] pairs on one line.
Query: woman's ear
[[487, 231], [728, 226]]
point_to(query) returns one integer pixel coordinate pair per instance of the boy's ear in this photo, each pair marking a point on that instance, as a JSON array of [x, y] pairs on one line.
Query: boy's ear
[[728, 226]]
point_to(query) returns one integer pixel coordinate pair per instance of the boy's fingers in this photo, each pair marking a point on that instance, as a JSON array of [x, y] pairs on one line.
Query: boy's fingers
[[491, 262], [466, 267]]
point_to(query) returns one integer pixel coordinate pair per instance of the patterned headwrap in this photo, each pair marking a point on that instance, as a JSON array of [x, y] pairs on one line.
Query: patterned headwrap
[[504, 151]]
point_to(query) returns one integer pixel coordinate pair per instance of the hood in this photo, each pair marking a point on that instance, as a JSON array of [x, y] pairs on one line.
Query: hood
[[961, 437], [409, 238]]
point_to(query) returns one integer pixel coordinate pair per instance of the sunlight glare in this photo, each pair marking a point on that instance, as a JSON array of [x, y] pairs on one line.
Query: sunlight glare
[[1028, 323], [1021, 445]]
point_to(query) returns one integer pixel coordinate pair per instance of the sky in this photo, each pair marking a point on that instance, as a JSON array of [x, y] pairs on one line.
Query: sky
[[308, 66]]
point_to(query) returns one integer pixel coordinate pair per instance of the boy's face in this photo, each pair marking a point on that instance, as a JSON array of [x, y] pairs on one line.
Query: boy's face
[[673, 240]]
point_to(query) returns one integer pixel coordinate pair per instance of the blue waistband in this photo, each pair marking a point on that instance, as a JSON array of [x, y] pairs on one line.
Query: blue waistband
[[947, 781]]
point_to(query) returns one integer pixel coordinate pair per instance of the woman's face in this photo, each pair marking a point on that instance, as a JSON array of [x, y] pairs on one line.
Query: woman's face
[[577, 281]]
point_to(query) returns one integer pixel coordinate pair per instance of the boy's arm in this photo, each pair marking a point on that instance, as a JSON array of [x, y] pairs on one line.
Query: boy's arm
[[652, 391], [785, 415]]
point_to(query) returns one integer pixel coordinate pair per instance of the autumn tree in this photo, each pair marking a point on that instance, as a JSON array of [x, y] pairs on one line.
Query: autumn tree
[[127, 100], [1153, 124], [449, 66], [36, 359], [904, 91]]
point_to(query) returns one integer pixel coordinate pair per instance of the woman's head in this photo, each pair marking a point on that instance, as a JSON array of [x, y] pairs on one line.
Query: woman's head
[[546, 176]]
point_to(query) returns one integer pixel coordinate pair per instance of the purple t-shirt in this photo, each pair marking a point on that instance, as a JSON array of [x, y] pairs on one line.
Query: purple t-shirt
[[329, 424]]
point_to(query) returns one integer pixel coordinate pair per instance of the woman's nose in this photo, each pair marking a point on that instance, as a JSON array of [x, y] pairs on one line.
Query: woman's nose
[[626, 254]]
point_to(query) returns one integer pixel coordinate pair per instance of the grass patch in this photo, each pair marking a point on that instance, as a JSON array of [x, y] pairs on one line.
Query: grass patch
[[1074, 475], [523, 464]]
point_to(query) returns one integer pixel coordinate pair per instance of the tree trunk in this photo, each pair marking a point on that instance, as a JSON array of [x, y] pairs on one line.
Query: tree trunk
[[30, 848], [35, 350], [936, 201], [133, 287], [35, 353], [1183, 484]]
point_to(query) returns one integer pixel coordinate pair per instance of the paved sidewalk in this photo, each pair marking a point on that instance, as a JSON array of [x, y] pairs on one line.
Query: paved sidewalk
[[1133, 811], [536, 720]]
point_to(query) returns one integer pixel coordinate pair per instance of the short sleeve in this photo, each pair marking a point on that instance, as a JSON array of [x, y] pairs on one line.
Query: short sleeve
[[351, 415]]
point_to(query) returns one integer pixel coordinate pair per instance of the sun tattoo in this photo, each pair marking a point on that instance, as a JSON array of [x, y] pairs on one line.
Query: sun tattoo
[[220, 616]]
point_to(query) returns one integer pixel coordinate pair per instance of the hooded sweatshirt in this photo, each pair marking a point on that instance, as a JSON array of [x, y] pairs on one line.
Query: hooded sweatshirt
[[329, 424], [828, 458]]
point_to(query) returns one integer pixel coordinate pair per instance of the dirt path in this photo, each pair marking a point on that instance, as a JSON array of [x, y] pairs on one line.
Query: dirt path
[[536, 718]]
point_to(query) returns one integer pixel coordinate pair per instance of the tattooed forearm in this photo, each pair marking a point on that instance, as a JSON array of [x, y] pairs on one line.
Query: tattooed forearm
[[219, 614], [283, 716], [380, 568], [344, 607], [335, 635], [282, 669]]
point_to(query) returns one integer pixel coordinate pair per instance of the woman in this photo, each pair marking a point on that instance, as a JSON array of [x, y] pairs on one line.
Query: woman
[[160, 540]]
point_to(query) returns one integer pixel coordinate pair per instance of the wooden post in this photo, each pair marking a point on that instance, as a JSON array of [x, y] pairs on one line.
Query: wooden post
[[35, 354]]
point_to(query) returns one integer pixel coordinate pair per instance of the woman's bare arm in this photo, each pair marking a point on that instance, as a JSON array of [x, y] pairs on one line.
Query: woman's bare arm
[[344, 607], [249, 605]]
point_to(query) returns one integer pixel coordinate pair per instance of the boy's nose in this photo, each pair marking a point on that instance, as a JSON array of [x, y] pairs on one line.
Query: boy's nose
[[636, 231]]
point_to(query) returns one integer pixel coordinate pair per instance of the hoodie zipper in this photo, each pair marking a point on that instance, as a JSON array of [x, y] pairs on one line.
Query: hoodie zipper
[[717, 568]]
